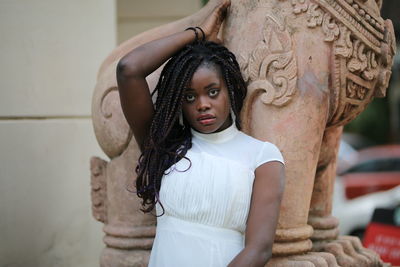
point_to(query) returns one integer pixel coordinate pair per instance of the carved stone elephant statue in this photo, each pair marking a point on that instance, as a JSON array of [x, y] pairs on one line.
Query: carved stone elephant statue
[[311, 66]]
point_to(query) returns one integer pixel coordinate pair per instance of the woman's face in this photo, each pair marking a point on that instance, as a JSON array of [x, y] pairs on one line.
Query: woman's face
[[206, 104]]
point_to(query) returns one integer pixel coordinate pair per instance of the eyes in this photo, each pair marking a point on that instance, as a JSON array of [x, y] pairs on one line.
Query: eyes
[[191, 97], [213, 92]]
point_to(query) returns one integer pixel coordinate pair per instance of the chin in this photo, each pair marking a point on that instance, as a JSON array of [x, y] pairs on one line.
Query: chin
[[206, 129]]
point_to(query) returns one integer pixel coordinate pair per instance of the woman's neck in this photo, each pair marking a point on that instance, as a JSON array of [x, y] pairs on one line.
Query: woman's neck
[[217, 137]]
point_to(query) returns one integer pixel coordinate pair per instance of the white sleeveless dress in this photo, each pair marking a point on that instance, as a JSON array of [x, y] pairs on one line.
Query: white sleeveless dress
[[207, 200]]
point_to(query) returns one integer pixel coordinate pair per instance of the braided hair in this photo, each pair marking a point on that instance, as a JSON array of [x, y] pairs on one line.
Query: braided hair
[[168, 140]]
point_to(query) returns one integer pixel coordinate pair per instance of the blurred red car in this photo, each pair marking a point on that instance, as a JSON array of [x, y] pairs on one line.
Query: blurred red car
[[370, 170]]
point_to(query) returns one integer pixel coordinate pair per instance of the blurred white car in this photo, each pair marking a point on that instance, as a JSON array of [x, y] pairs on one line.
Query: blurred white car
[[367, 179], [355, 214]]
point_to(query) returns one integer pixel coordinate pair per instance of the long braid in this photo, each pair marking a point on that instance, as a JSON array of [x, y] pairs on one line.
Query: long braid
[[168, 141]]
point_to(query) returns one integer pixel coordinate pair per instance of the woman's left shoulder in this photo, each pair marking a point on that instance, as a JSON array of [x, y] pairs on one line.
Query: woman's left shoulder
[[256, 143], [264, 151], [248, 138]]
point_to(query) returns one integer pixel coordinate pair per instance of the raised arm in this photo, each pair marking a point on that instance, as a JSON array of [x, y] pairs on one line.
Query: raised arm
[[132, 71], [134, 67], [263, 216]]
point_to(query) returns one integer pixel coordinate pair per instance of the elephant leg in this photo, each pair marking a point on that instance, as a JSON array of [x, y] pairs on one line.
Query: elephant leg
[[296, 124], [320, 218], [303, 124], [347, 250]]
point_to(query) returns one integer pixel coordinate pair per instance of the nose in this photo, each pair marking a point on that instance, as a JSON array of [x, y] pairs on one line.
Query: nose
[[203, 104]]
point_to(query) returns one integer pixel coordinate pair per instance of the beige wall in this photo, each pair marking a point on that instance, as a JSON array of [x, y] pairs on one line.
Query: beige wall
[[136, 16], [50, 52]]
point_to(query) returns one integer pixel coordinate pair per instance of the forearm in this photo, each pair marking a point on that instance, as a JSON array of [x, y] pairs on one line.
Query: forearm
[[263, 216], [251, 257], [145, 59]]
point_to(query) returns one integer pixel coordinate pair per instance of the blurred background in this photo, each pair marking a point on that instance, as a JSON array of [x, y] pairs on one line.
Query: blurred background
[[50, 52]]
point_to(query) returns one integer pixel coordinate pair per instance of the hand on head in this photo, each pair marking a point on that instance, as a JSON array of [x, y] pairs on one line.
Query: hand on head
[[214, 21]]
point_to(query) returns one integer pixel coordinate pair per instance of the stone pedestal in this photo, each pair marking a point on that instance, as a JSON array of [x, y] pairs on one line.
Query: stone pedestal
[[311, 66]]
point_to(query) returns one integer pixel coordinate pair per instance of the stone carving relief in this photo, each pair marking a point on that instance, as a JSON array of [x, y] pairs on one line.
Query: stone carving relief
[[316, 17], [98, 188], [363, 47], [270, 70], [111, 129], [299, 6]]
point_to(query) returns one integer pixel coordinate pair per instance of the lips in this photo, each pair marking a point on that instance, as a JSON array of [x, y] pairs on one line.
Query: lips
[[206, 119]]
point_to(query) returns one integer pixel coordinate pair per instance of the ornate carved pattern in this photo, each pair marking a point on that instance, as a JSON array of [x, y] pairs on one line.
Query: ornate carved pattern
[[360, 74], [363, 47], [299, 6], [112, 130], [349, 16], [344, 46], [316, 17], [98, 188], [388, 50], [271, 68], [367, 26], [355, 91], [367, 14]]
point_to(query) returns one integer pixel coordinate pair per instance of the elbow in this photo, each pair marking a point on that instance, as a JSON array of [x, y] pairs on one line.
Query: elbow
[[126, 68], [260, 256], [266, 255]]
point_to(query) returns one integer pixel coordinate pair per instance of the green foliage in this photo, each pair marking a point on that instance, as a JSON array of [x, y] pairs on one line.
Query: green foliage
[[373, 123], [204, 2]]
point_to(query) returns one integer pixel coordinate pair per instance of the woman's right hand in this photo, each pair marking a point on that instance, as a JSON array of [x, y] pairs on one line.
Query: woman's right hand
[[213, 23]]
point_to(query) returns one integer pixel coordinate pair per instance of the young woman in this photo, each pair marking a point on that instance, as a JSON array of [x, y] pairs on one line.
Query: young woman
[[216, 190]]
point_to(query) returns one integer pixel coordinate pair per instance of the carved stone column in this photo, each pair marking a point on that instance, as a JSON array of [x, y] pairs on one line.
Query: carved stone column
[[311, 66], [287, 70], [277, 112]]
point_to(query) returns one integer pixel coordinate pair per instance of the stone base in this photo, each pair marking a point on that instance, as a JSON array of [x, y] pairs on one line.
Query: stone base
[[325, 228], [349, 252], [345, 251], [111, 257], [310, 259]]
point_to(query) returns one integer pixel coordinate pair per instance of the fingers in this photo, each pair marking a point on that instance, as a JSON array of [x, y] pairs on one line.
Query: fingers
[[221, 11], [223, 7], [226, 3], [213, 22]]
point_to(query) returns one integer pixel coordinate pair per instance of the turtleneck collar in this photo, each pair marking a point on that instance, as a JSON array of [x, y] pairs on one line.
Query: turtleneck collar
[[217, 137]]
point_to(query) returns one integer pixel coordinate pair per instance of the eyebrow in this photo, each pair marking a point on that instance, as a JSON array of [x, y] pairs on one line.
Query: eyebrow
[[206, 87], [210, 85]]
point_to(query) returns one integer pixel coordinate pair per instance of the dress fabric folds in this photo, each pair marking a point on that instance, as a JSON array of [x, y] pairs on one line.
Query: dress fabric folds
[[206, 199]]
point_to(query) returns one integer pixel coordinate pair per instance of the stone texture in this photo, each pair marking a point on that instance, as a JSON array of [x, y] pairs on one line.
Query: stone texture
[[50, 54], [311, 66], [44, 202], [156, 8], [136, 16]]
